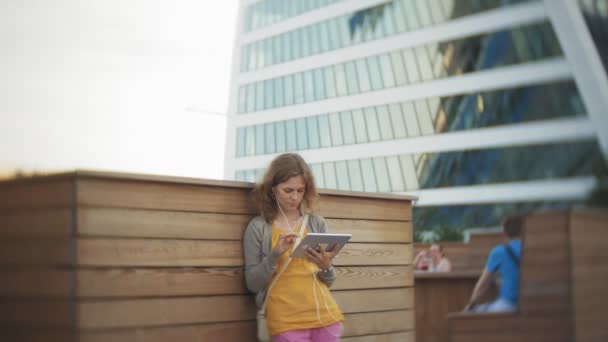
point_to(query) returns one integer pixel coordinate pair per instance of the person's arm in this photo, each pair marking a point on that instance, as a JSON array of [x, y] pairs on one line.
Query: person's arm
[[418, 259], [444, 265], [483, 283], [258, 270]]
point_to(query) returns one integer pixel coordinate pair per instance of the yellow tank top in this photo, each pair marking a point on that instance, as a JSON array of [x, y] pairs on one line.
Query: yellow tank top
[[291, 304]]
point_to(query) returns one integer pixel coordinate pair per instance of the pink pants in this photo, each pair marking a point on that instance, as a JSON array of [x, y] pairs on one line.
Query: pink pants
[[330, 333]]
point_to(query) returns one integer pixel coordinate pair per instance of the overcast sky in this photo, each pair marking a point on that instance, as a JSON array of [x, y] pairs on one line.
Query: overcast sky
[[105, 84]]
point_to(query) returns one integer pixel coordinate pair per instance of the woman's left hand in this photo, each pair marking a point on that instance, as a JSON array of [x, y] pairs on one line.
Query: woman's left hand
[[322, 257]]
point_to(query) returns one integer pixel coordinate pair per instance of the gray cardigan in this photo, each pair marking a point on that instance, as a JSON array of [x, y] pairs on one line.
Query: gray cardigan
[[261, 263]]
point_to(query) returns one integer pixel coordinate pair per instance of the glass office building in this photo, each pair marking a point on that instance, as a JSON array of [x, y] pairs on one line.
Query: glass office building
[[481, 108]]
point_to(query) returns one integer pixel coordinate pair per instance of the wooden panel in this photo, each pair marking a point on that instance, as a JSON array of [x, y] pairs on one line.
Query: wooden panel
[[352, 301], [165, 311], [374, 254], [23, 194], [148, 252], [152, 195], [37, 313], [373, 277], [589, 241], [117, 222], [229, 332], [360, 208], [148, 282], [36, 252], [406, 336], [373, 231], [151, 252], [373, 323], [41, 223], [38, 335], [36, 283], [170, 311]]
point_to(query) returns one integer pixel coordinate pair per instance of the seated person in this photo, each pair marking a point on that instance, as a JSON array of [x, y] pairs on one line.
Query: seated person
[[432, 260], [503, 259]]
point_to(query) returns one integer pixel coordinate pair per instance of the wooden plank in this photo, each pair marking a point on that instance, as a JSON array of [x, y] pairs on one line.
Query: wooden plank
[[589, 243], [372, 323], [150, 282], [118, 222], [148, 252], [190, 310], [36, 252], [361, 208], [38, 335], [41, 223], [36, 283], [165, 311], [368, 277], [353, 301], [37, 313], [36, 193], [164, 196], [178, 253], [374, 254], [373, 230], [406, 336], [244, 331]]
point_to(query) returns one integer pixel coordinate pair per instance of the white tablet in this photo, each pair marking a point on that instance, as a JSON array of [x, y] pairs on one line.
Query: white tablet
[[326, 240]]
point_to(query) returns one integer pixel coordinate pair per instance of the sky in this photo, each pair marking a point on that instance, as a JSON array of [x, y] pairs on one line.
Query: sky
[[111, 85]]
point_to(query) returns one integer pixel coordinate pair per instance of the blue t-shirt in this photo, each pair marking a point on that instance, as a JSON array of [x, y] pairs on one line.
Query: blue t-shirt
[[499, 260]]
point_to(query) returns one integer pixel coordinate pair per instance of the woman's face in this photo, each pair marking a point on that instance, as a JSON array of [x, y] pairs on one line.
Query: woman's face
[[290, 193]]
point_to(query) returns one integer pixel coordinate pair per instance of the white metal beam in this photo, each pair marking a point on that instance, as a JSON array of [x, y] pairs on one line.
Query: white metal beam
[[588, 71], [494, 20], [570, 189], [550, 70], [548, 131]]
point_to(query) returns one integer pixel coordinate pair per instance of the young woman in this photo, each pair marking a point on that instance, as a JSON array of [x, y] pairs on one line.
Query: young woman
[[299, 306]]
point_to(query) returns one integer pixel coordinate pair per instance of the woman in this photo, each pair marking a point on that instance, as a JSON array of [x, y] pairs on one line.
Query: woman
[[433, 260], [299, 306]]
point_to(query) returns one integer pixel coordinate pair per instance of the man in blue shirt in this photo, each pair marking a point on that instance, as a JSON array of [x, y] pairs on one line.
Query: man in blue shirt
[[503, 260]]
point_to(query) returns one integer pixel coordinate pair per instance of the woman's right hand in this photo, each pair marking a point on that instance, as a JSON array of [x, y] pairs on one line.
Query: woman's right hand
[[285, 242]]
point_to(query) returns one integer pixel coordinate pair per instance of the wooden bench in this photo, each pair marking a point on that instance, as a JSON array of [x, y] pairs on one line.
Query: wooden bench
[[563, 284], [107, 257]]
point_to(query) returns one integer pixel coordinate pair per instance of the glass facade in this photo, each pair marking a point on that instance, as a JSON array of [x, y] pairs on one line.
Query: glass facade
[[383, 20], [403, 67], [446, 169], [416, 118]]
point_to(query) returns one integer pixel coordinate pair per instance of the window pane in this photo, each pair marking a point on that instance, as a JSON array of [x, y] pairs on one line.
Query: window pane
[[259, 139], [375, 72], [354, 173], [409, 172], [270, 139], [363, 74], [289, 90], [330, 175], [296, 43], [397, 121], [347, 128], [305, 36], [298, 88], [386, 130], [291, 136], [369, 176], [340, 80], [250, 97], [280, 134], [287, 48], [424, 63], [387, 71], [242, 99], [324, 36], [423, 13], [336, 129], [424, 117], [278, 92], [387, 20], [269, 92], [411, 66], [351, 75], [359, 123], [330, 82], [268, 53], [277, 49], [400, 73], [411, 14], [342, 174], [315, 39], [259, 94], [302, 134], [240, 142], [250, 142], [313, 132], [317, 172], [319, 85], [411, 120], [384, 184], [372, 124], [309, 87], [399, 16], [334, 38], [324, 131], [394, 171]]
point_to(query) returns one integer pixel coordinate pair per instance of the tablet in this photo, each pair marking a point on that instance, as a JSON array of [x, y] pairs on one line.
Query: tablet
[[326, 240]]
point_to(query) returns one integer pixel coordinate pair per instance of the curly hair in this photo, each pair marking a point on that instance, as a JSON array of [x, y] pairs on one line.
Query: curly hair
[[280, 170]]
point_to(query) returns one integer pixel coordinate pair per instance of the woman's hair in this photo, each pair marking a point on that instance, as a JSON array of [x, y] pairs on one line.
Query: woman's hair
[[280, 170]]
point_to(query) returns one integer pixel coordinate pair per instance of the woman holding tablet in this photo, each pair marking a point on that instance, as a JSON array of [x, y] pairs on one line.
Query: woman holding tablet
[[299, 306]]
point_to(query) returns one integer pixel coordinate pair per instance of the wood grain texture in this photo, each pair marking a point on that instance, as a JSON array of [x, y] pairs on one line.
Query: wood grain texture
[[373, 323], [373, 231], [360, 208], [21, 252], [367, 277], [406, 336], [351, 301], [36, 283], [589, 242], [36, 193], [164, 252], [37, 313], [36, 223], [119, 222]]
